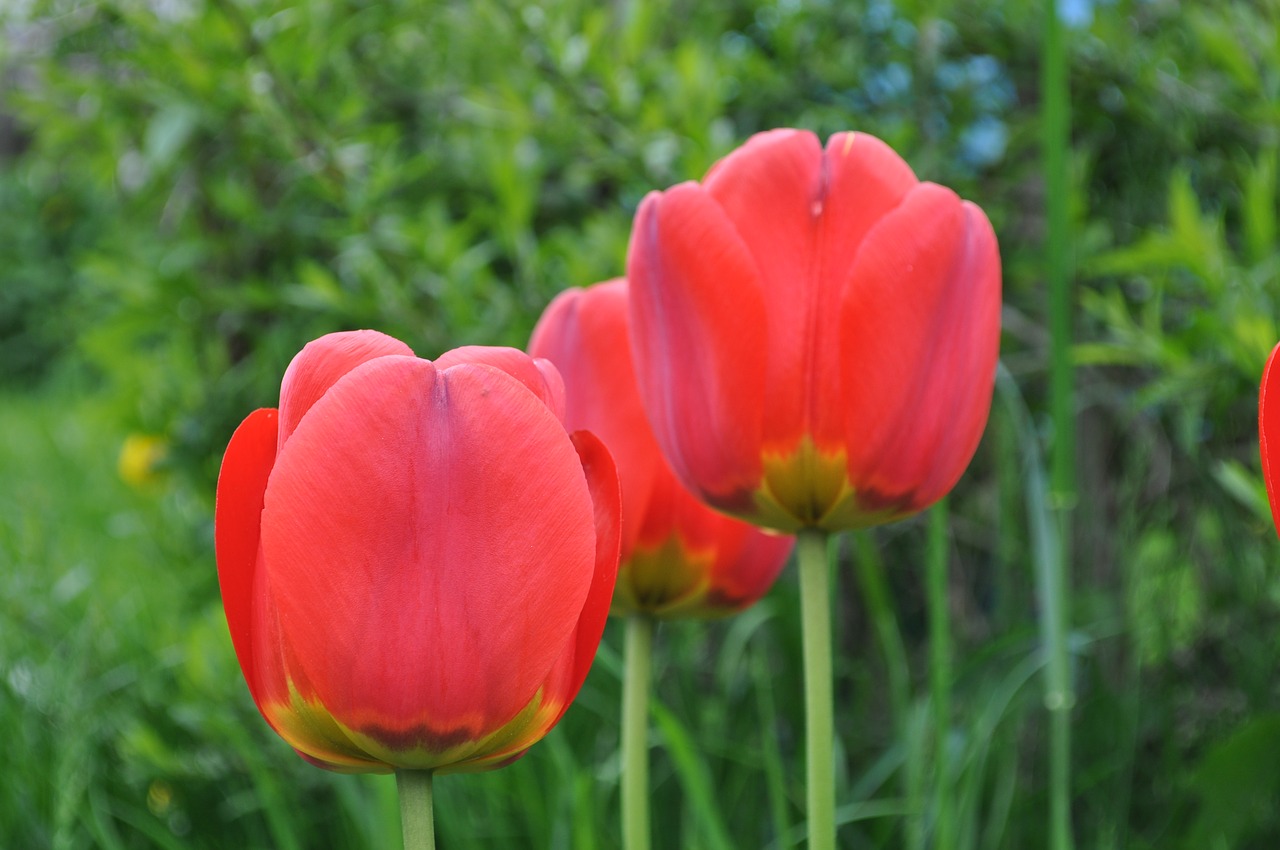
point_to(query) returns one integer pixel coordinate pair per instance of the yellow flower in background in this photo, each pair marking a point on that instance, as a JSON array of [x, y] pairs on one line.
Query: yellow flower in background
[[140, 459]]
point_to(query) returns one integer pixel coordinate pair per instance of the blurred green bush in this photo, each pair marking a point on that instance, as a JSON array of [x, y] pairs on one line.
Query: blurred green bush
[[227, 180]]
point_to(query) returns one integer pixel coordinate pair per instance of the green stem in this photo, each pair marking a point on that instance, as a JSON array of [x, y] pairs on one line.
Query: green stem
[[940, 670], [417, 817], [1056, 124], [815, 611], [635, 733]]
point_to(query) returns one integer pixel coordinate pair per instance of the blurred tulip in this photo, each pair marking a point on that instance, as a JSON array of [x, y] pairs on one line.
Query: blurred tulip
[[1269, 431], [416, 558], [815, 331], [679, 558]]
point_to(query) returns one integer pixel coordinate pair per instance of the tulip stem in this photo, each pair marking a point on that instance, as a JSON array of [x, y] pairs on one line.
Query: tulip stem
[[815, 613], [417, 817], [635, 732]]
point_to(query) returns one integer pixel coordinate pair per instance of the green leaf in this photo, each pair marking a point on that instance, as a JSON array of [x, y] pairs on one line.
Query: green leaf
[[1259, 208], [691, 767], [167, 132], [1237, 785], [1245, 486]]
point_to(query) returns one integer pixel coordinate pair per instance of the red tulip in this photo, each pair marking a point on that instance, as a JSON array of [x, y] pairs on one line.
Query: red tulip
[[1269, 431], [815, 331], [416, 558], [679, 558]]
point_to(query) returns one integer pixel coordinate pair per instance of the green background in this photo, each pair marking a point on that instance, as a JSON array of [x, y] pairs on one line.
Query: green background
[[192, 189]]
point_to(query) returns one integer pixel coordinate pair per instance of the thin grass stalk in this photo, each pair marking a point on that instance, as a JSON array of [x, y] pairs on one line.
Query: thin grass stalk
[[1003, 792], [875, 592], [987, 730], [1051, 588], [915, 745], [1009, 550], [775, 782], [705, 823], [1056, 126], [940, 655], [1055, 604]]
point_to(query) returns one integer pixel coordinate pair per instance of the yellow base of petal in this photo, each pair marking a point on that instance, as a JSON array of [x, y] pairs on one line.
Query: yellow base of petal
[[668, 580], [810, 488], [310, 729]]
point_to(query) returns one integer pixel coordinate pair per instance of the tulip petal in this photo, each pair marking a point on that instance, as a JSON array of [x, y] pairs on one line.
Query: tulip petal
[[773, 189], [255, 633], [1269, 431], [866, 179], [242, 483], [677, 577], [724, 564], [920, 336], [678, 557], [429, 539], [539, 376], [803, 213], [304, 723], [570, 671], [699, 341], [746, 566], [321, 363], [606, 498], [584, 332]]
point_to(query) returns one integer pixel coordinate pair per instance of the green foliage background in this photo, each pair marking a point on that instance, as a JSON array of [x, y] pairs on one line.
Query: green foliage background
[[192, 189]]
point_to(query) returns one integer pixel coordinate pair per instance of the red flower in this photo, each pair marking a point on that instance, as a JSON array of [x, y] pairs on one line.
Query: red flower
[[679, 558], [1269, 431], [416, 558], [815, 331]]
